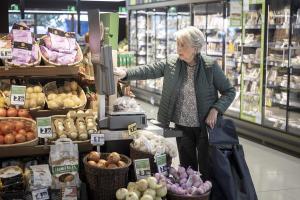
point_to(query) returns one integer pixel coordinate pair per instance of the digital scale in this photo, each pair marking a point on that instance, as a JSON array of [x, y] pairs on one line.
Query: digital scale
[[104, 79]]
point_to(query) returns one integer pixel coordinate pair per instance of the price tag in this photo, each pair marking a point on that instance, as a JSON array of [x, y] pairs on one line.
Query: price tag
[[132, 129], [40, 194], [44, 128], [97, 139], [161, 162], [5, 49], [17, 96], [69, 193], [142, 168]]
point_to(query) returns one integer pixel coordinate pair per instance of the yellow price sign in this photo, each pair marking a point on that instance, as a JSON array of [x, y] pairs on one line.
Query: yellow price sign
[[132, 129]]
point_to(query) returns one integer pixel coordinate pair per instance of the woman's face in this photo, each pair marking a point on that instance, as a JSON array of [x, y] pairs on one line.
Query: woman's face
[[185, 50]]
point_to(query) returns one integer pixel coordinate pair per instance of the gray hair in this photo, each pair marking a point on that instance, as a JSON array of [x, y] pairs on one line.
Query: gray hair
[[194, 36]]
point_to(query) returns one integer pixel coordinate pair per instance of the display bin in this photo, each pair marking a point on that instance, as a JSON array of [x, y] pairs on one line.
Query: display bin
[[102, 183]]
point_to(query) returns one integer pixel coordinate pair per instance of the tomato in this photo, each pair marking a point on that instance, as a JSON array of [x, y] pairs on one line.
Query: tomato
[[19, 125], [1, 139], [30, 136]]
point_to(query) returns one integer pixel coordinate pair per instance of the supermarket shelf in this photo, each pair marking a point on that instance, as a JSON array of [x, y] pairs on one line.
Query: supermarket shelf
[[212, 53], [274, 26], [39, 71], [251, 46], [297, 26], [18, 151], [258, 26], [214, 40], [267, 136]]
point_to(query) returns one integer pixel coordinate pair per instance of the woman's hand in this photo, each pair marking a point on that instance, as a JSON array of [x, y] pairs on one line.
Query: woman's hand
[[211, 119], [120, 72]]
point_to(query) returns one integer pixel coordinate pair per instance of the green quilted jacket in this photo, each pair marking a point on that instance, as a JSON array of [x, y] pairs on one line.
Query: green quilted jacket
[[209, 79]]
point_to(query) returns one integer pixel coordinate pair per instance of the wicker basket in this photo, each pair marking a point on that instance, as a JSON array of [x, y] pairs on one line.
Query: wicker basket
[[8, 62], [137, 154], [28, 122], [102, 182], [82, 96], [171, 196], [79, 57]]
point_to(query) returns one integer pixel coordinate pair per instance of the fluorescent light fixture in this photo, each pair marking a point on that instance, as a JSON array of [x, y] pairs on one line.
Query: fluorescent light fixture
[[104, 0]]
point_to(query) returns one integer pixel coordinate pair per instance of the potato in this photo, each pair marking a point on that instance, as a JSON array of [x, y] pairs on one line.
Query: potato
[[33, 96], [29, 90], [52, 105], [40, 101], [37, 89], [32, 103], [52, 96], [69, 103], [73, 85]]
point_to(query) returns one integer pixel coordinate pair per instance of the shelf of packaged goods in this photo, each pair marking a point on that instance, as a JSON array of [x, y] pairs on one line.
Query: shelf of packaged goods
[[212, 53], [277, 26], [284, 48], [211, 40], [39, 71], [297, 26], [18, 151], [277, 63], [255, 62], [257, 26], [235, 27], [251, 46]]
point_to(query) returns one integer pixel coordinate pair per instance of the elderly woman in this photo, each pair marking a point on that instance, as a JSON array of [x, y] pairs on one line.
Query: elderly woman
[[189, 96]]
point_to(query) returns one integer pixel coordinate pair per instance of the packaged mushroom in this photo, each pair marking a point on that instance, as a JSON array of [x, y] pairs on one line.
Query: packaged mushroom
[[77, 126]]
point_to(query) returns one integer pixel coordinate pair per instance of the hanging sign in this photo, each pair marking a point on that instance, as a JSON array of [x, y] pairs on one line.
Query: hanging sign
[[161, 162], [132, 129]]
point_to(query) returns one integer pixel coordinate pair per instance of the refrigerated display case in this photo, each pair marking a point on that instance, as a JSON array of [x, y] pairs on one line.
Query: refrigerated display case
[[252, 61], [210, 20], [233, 61], [294, 80], [277, 68]]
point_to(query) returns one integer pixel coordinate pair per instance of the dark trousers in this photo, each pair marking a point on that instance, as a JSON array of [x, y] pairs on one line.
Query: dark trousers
[[193, 149]]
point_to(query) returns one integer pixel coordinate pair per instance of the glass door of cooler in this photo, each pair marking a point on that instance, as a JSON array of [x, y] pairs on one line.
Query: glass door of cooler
[[133, 37], [233, 52], [160, 42], [277, 71], [294, 84], [184, 16], [200, 20], [215, 31], [252, 60], [172, 28], [141, 43], [209, 19]]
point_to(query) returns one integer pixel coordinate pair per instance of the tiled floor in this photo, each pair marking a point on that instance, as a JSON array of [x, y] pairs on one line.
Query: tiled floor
[[276, 175]]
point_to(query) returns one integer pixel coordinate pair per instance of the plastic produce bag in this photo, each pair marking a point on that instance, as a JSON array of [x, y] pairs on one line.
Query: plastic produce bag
[[126, 104], [64, 163]]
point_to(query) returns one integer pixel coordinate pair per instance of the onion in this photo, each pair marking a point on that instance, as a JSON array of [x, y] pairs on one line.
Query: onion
[[142, 185], [23, 113], [121, 193], [2, 112], [12, 112]]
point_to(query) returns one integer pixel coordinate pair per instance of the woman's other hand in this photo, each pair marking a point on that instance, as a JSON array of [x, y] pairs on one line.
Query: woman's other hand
[[211, 119], [120, 72]]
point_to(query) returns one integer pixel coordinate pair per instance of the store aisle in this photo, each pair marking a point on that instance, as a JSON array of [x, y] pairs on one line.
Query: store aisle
[[276, 175]]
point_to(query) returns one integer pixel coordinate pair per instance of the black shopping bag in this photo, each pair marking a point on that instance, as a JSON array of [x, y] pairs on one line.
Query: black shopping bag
[[229, 172]]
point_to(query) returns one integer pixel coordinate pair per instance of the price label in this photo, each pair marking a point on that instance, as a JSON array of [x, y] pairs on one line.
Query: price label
[[5, 49], [132, 129], [97, 139], [161, 162], [142, 168], [17, 96], [40, 194], [69, 193], [44, 128]]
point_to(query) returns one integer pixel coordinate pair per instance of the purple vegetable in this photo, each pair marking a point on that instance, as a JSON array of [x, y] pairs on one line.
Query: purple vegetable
[[183, 175], [200, 190], [157, 176], [173, 171], [184, 186], [198, 183], [177, 185], [174, 188], [190, 171], [181, 170], [182, 181], [180, 191], [195, 178]]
